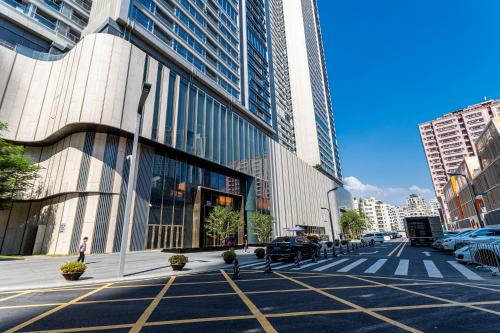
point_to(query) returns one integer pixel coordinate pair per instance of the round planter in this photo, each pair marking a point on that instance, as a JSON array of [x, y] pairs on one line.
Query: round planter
[[177, 267], [262, 256], [228, 261], [72, 276]]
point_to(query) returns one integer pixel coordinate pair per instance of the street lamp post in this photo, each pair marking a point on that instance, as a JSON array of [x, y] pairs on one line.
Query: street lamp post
[[330, 210], [472, 196], [146, 88]]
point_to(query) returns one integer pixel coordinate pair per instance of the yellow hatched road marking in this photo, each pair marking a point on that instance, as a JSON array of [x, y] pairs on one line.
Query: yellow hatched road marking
[[266, 325], [14, 296], [51, 311], [430, 296], [149, 310], [352, 305]]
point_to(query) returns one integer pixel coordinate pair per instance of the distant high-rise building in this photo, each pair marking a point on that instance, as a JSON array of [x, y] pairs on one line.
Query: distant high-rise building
[[450, 138], [311, 118], [48, 26]]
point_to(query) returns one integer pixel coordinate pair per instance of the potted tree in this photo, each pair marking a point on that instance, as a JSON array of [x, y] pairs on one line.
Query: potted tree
[[260, 253], [72, 270], [229, 256], [262, 226], [178, 262], [222, 223]]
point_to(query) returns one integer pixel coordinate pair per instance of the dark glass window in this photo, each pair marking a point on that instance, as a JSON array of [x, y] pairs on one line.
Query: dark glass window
[[191, 120], [230, 139], [223, 140], [170, 110], [208, 129], [200, 139], [154, 133], [181, 117], [216, 132]]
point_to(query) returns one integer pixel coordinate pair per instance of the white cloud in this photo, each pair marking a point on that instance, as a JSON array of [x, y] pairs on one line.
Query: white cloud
[[393, 195]]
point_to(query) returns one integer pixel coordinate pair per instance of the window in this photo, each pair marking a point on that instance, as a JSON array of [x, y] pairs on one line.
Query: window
[[181, 117]]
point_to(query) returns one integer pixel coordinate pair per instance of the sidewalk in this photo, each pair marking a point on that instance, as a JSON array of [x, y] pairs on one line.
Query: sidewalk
[[43, 271]]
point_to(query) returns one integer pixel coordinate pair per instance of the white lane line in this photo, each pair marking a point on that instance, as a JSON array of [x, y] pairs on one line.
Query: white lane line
[[401, 249], [322, 268], [402, 267], [308, 265], [376, 266], [351, 266], [395, 249], [251, 264], [465, 271], [426, 253], [432, 270]]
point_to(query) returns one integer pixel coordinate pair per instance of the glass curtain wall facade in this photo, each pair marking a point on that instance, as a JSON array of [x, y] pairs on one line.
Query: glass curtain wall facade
[[204, 32]]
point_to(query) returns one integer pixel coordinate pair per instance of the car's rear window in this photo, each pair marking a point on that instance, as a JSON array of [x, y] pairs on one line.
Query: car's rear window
[[379, 235], [282, 239], [368, 235]]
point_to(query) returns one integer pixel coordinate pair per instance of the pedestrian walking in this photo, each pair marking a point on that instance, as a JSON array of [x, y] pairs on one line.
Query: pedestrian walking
[[82, 249]]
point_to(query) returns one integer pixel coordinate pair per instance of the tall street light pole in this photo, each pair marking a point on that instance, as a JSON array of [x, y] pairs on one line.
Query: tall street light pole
[[330, 210], [472, 196], [146, 88]]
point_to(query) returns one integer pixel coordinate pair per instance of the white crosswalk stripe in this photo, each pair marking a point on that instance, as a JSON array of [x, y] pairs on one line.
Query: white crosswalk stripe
[[251, 264], [308, 265], [402, 267], [376, 266], [322, 268], [432, 270], [272, 265], [351, 266], [285, 265], [465, 271]]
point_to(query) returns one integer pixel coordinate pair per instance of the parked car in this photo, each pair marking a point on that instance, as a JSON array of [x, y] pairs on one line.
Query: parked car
[[387, 235], [469, 254], [287, 247], [376, 237], [484, 235], [438, 244], [477, 236]]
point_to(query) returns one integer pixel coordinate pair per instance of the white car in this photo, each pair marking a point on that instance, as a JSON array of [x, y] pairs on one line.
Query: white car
[[484, 235], [376, 237], [467, 254], [450, 243]]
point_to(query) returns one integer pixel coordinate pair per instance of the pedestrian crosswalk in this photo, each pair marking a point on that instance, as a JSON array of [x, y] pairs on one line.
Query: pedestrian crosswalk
[[381, 266]]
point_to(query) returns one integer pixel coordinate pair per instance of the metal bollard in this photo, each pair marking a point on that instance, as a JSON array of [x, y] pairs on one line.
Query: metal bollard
[[341, 249], [236, 270], [313, 258], [333, 251], [372, 242], [298, 258], [267, 269], [347, 247], [325, 253]]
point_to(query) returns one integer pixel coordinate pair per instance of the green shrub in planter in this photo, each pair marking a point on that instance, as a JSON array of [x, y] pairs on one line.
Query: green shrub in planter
[[229, 256], [329, 244], [344, 242], [72, 270], [337, 242], [260, 253], [178, 261]]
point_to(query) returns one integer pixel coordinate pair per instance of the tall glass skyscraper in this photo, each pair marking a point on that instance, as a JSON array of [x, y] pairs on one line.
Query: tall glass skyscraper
[[302, 98]]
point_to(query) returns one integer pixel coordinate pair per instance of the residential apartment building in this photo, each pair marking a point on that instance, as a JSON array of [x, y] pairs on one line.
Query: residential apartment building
[[483, 175], [48, 26], [302, 98], [205, 129], [450, 138]]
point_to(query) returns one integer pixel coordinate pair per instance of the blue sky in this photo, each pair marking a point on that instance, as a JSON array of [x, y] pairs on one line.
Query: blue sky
[[395, 63]]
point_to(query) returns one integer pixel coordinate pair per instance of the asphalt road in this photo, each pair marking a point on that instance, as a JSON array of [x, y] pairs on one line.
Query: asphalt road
[[282, 301]]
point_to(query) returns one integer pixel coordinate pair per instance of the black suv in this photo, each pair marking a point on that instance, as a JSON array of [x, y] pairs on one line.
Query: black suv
[[287, 247]]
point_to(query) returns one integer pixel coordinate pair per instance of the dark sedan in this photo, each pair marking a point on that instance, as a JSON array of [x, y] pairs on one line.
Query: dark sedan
[[287, 247]]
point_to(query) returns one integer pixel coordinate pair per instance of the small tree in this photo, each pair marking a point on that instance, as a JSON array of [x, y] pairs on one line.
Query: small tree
[[262, 225], [17, 172], [352, 223], [223, 222]]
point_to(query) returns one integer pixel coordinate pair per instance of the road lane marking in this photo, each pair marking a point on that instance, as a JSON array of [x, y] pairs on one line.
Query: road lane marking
[[368, 252], [426, 253], [51, 311], [401, 250], [351, 266], [402, 267], [352, 305], [395, 249], [266, 325], [285, 265], [465, 271], [376, 266], [139, 324], [322, 268], [308, 265], [16, 295], [273, 265], [426, 295], [432, 270], [251, 264]]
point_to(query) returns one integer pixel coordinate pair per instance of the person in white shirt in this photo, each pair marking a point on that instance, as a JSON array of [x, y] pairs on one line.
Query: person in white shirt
[[82, 249]]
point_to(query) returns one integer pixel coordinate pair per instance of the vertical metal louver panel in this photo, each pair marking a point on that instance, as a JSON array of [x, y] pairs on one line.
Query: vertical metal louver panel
[[123, 197], [88, 146], [105, 199], [143, 193]]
